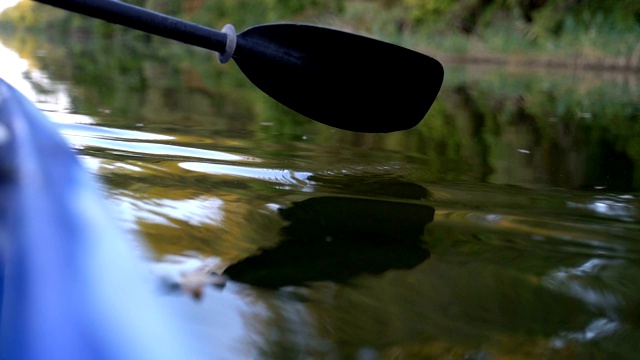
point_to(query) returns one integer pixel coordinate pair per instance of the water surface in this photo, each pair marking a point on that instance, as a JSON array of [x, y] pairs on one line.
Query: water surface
[[505, 225]]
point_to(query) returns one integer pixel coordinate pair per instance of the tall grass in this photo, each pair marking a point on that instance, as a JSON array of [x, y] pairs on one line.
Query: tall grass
[[576, 39]]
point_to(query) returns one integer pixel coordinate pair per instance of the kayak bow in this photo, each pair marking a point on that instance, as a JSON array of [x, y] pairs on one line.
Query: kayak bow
[[71, 284]]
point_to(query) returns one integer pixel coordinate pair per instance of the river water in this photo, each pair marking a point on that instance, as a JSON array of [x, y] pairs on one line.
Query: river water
[[504, 226]]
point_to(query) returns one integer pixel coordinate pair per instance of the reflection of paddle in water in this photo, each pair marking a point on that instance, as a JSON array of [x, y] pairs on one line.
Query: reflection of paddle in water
[[368, 185], [338, 238]]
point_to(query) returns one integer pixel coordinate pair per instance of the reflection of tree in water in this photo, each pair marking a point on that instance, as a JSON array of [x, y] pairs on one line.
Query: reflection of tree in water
[[369, 184], [572, 136]]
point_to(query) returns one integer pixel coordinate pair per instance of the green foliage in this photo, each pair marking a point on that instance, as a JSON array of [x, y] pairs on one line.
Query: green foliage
[[29, 14], [424, 10], [563, 29], [568, 16], [241, 13], [246, 13]]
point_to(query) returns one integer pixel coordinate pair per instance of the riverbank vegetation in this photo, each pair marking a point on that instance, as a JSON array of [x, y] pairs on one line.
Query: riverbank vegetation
[[599, 34]]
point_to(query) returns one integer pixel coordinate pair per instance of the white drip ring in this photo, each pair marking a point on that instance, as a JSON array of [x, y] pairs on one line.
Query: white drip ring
[[231, 44]]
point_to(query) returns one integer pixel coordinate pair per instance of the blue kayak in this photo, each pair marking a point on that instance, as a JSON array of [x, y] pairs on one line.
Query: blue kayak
[[72, 285]]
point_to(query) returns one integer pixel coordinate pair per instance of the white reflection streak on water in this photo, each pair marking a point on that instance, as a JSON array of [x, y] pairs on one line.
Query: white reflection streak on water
[[272, 175], [82, 136], [69, 118], [611, 208], [16, 72], [574, 282], [198, 211], [94, 165], [597, 329], [164, 150], [72, 125]]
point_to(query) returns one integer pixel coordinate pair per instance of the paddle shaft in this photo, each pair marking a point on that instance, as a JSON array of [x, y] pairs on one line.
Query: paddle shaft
[[337, 78], [148, 21]]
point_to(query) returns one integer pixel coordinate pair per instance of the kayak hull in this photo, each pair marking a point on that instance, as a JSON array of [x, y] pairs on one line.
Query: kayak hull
[[72, 284]]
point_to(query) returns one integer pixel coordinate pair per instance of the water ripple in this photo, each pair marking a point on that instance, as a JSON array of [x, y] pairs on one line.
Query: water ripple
[[578, 236], [283, 176], [139, 143]]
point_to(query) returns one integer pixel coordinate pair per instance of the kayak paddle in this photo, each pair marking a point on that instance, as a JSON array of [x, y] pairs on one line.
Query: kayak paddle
[[337, 78]]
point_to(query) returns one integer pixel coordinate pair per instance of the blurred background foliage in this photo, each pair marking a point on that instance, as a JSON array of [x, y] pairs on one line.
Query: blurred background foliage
[[588, 33]]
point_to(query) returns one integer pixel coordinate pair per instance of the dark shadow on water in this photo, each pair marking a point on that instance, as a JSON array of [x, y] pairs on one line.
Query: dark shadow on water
[[368, 185], [337, 238]]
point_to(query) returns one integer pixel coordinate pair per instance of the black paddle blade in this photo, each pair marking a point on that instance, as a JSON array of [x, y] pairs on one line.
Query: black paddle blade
[[340, 79]]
